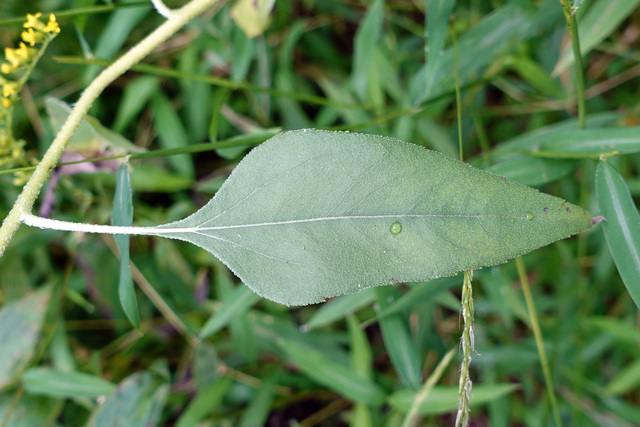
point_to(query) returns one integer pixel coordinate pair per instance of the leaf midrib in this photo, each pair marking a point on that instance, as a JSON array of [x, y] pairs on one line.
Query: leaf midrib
[[334, 218]]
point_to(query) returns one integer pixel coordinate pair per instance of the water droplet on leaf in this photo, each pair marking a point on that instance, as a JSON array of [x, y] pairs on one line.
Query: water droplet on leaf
[[396, 228], [528, 216]]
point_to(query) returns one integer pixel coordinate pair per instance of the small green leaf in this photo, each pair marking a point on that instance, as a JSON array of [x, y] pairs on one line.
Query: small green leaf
[[20, 324], [333, 375], [123, 215], [90, 137], [252, 15], [622, 226], [309, 215], [136, 402], [51, 382]]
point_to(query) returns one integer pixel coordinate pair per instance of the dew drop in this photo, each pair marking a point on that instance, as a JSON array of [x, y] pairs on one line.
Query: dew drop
[[304, 328], [396, 228], [513, 220], [528, 216]]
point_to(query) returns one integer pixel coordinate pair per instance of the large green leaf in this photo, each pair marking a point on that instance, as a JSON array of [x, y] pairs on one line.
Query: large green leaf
[[312, 214]]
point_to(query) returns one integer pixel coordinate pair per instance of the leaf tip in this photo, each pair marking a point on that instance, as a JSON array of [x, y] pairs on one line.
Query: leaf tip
[[597, 220]]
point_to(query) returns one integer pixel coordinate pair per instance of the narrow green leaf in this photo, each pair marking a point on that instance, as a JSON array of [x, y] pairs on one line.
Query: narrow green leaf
[[239, 302], [123, 215], [171, 134], [361, 355], [339, 307], [367, 37], [138, 401], [258, 411], [594, 141], [336, 212], [333, 375], [533, 140], [397, 340], [135, 97], [628, 379], [443, 399], [437, 24], [205, 402], [51, 382], [532, 170], [119, 27], [20, 324], [602, 19], [219, 97], [622, 226]]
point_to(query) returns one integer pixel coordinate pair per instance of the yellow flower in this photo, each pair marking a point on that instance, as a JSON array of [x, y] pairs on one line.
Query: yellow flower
[[31, 36], [33, 21], [12, 56], [6, 102], [6, 68], [22, 52], [8, 89], [52, 25]]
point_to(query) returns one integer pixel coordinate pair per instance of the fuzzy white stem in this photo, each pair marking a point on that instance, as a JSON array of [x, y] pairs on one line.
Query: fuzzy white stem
[[25, 201], [162, 9]]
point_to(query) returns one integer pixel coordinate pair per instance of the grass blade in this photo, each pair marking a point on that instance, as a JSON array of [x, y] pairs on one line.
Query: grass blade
[[51, 382], [123, 215], [398, 342], [622, 226], [333, 375]]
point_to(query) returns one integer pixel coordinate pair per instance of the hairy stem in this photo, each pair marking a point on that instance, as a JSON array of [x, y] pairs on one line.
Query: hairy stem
[[27, 198]]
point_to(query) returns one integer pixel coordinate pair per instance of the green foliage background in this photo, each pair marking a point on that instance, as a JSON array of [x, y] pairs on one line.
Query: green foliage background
[[65, 342]]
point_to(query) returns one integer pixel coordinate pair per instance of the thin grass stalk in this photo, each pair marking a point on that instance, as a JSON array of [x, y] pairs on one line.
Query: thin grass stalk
[[572, 23], [468, 347], [412, 418], [535, 326]]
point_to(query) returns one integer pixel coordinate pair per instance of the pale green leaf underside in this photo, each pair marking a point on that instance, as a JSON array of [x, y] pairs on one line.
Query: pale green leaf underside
[[312, 214]]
